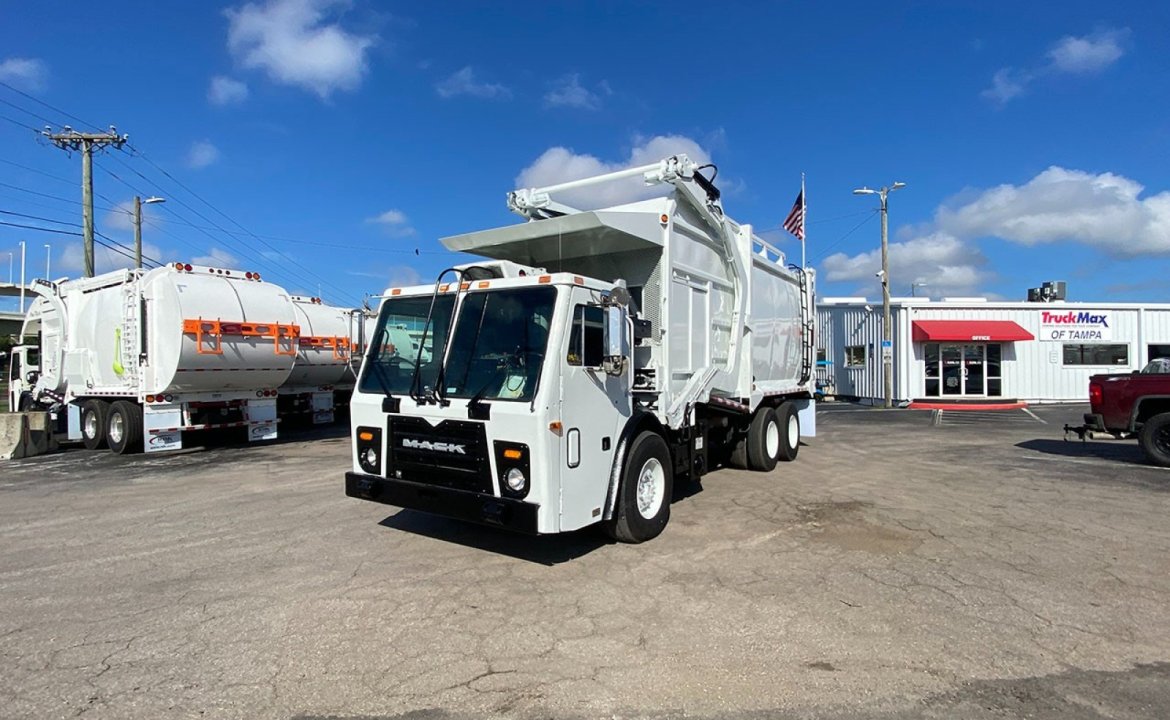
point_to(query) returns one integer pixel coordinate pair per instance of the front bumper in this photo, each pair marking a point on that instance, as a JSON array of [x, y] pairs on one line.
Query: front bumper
[[459, 504]]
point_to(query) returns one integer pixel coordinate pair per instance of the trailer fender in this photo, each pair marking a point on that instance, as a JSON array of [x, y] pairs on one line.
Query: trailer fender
[[638, 422]]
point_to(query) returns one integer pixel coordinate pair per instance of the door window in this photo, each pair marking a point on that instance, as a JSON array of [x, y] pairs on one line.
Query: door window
[[931, 355]]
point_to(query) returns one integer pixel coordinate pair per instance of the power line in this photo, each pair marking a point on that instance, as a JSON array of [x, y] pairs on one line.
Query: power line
[[34, 227], [47, 105], [271, 247], [841, 239]]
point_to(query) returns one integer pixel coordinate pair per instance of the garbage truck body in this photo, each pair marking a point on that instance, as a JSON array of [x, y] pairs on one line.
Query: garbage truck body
[[134, 359], [587, 362]]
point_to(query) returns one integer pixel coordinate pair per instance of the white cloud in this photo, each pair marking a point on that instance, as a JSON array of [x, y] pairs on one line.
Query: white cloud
[[1006, 84], [27, 73], [559, 164], [295, 44], [463, 82], [71, 261], [1088, 54], [202, 154], [403, 276], [1105, 211], [226, 91], [947, 264], [218, 259], [568, 92], [394, 222], [1071, 55]]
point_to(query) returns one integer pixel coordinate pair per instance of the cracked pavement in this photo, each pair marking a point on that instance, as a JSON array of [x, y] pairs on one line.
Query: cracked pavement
[[900, 568]]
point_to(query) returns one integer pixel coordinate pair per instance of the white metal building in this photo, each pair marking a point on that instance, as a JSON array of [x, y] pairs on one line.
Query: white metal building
[[968, 348]]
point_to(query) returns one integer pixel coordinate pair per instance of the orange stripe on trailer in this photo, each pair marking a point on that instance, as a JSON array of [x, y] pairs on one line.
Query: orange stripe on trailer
[[214, 330]]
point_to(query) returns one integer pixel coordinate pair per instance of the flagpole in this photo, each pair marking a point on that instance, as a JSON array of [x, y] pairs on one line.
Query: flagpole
[[804, 214]]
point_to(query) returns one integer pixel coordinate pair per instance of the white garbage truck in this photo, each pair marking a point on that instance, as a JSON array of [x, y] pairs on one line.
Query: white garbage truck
[[587, 362], [134, 359]]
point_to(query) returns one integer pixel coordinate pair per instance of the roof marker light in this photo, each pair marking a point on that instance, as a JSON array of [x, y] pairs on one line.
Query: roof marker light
[[483, 283], [545, 279]]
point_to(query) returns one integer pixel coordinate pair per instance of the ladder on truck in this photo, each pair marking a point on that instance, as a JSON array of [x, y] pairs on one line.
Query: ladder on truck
[[807, 326], [130, 347]]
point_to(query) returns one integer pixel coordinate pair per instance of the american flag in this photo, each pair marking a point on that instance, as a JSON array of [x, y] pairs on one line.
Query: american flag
[[794, 223]]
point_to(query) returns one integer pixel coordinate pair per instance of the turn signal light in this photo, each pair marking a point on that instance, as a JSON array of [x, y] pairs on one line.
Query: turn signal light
[[367, 436], [556, 427], [513, 454], [150, 398], [1095, 394]]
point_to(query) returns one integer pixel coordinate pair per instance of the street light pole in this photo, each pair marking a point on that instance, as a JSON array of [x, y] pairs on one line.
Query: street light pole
[[48, 259], [138, 202], [884, 274]]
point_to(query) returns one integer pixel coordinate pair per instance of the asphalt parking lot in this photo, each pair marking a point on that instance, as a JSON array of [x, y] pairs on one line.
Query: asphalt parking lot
[[906, 566]]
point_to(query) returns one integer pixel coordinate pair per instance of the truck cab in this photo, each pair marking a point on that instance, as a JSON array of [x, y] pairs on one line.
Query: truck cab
[[23, 368]]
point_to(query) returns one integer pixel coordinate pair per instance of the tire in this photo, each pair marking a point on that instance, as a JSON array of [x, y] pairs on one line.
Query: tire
[[93, 423], [124, 427], [788, 421], [1154, 439], [763, 440], [647, 483]]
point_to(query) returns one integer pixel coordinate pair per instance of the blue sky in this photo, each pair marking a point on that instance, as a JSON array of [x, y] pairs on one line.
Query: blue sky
[[323, 143]]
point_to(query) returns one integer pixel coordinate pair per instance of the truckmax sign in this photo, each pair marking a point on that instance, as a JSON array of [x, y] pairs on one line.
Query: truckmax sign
[[1075, 326]]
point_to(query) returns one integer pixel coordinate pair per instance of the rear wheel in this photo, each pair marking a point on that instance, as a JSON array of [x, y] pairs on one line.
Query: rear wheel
[[763, 440], [788, 422], [647, 483], [94, 414], [1154, 439], [124, 427]]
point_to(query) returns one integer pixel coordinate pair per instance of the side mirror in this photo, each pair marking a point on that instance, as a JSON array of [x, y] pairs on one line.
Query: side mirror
[[31, 377], [617, 340]]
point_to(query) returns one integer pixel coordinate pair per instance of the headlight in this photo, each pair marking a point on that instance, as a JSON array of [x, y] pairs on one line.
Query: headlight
[[370, 457], [515, 480]]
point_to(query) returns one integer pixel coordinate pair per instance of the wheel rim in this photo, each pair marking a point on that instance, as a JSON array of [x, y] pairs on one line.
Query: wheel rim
[[651, 488], [91, 423], [1162, 440], [772, 439], [117, 427], [793, 431]]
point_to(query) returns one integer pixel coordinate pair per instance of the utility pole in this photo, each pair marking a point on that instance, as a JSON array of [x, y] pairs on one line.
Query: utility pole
[[48, 259], [22, 277], [884, 274], [71, 140], [138, 202]]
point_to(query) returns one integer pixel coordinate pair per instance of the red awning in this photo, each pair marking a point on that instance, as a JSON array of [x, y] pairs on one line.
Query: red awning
[[969, 331]]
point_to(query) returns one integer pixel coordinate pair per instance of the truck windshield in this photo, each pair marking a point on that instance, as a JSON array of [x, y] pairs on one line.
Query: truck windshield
[[397, 340], [499, 344]]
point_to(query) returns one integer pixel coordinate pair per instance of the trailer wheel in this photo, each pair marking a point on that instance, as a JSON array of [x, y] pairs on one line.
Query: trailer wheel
[[1154, 439], [124, 427], [93, 423], [647, 483], [789, 423], [764, 440]]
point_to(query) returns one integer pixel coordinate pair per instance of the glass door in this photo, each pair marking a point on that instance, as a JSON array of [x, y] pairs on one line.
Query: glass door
[[952, 369], [974, 370]]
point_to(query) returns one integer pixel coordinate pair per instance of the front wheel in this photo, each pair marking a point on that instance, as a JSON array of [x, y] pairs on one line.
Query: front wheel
[[647, 483], [1154, 439]]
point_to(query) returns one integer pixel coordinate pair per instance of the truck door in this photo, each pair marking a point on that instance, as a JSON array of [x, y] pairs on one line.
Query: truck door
[[594, 407]]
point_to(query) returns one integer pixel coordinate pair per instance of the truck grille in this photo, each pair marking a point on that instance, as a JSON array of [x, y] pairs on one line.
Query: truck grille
[[453, 453]]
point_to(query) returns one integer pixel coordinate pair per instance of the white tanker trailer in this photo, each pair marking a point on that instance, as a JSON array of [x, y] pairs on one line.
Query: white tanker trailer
[[133, 359], [322, 377]]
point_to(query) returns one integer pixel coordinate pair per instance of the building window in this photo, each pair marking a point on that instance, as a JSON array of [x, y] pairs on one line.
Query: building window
[[1096, 355], [854, 355], [822, 355]]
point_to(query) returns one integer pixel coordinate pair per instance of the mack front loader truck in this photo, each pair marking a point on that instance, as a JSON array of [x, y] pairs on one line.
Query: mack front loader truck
[[589, 360], [135, 359]]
